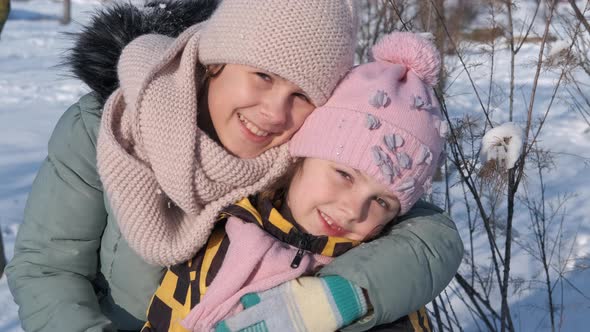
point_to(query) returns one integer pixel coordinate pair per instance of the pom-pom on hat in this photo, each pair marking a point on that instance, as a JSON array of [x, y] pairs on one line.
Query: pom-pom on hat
[[383, 118], [310, 43]]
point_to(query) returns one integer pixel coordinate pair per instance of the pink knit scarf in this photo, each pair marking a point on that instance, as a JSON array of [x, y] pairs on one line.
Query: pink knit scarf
[[255, 261], [165, 179]]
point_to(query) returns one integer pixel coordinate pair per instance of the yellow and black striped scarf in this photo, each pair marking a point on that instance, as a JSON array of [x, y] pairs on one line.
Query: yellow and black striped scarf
[[276, 219]]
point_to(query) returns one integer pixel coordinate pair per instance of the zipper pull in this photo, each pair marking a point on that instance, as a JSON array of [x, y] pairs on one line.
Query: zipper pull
[[297, 260], [302, 247]]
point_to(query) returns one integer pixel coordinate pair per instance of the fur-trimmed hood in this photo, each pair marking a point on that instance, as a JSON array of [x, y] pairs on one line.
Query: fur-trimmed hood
[[95, 54]]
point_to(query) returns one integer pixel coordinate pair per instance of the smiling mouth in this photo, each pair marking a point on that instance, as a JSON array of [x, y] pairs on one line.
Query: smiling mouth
[[332, 224], [252, 128]]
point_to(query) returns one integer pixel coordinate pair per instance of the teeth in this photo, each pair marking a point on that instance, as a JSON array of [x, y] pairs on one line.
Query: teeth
[[331, 222], [328, 220], [252, 127]]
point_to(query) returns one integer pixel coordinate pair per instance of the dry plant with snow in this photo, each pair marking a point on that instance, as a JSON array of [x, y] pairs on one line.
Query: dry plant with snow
[[495, 163]]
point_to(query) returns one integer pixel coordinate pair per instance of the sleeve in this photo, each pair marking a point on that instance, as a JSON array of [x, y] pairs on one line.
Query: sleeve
[[57, 246], [404, 269]]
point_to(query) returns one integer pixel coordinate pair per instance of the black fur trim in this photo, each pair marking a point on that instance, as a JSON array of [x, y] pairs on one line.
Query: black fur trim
[[93, 58]]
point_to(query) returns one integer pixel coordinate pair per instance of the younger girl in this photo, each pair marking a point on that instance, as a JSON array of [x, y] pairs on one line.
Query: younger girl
[[366, 157]]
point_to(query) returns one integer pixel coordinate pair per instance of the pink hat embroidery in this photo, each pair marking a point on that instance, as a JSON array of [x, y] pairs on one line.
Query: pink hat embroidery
[[383, 118]]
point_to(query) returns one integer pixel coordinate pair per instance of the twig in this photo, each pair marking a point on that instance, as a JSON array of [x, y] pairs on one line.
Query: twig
[[579, 14], [441, 19]]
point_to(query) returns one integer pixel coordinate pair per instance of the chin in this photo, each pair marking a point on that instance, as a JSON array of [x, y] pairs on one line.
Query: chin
[[238, 150], [247, 155]]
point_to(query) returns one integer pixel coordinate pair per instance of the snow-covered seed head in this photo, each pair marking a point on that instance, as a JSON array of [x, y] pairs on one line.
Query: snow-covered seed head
[[502, 144]]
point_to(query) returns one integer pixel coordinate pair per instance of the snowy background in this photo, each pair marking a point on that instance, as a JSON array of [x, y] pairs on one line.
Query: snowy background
[[35, 91]]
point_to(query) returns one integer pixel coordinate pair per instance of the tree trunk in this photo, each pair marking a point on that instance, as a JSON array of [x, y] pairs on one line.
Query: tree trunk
[[440, 40], [4, 10], [2, 257], [67, 18]]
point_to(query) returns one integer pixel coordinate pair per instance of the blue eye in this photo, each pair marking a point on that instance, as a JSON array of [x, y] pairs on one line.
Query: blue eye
[[382, 202]]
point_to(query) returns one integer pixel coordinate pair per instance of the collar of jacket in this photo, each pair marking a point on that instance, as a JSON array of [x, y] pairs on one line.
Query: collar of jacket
[[97, 47], [274, 216]]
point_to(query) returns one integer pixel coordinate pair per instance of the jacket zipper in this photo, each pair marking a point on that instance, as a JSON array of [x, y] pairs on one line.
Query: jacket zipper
[[303, 246]]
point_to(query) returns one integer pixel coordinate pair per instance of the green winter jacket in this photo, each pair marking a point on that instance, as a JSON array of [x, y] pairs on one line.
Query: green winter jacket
[[72, 270]]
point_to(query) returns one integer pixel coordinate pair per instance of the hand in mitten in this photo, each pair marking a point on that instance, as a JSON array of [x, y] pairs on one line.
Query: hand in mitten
[[313, 304]]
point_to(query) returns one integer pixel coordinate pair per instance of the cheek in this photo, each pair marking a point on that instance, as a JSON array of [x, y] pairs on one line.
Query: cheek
[[297, 201], [376, 219], [296, 118], [299, 114], [216, 99], [304, 194], [226, 94]]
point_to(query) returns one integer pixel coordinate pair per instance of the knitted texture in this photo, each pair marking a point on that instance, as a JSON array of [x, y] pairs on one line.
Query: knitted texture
[[308, 304], [310, 43], [383, 119], [255, 261], [165, 179]]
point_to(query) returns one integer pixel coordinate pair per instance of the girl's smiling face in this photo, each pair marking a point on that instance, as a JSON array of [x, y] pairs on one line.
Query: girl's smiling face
[[327, 198], [253, 110]]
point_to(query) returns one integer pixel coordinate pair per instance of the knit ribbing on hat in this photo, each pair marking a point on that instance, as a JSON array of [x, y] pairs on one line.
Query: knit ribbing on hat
[[165, 179], [310, 43]]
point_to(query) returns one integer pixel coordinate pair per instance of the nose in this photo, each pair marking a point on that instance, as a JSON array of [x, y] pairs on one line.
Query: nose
[[276, 110], [354, 206]]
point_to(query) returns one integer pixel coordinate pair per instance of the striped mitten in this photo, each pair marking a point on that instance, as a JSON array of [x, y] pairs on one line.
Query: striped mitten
[[313, 304]]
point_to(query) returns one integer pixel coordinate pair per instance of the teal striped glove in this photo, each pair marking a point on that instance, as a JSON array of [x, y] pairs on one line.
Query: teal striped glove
[[313, 304]]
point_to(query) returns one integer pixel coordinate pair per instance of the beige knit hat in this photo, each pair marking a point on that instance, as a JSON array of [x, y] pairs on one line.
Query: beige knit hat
[[309, 43]]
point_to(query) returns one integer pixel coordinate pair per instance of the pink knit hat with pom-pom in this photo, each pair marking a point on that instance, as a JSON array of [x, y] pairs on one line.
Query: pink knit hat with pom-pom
[[383, 119]]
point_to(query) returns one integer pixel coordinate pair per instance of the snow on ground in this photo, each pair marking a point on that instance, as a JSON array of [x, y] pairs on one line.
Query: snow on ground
[[566, 135], [35, 91]]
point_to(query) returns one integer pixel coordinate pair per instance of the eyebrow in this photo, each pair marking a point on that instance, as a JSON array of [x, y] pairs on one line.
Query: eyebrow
[[357, 172], [388, 195], [392, 197]]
